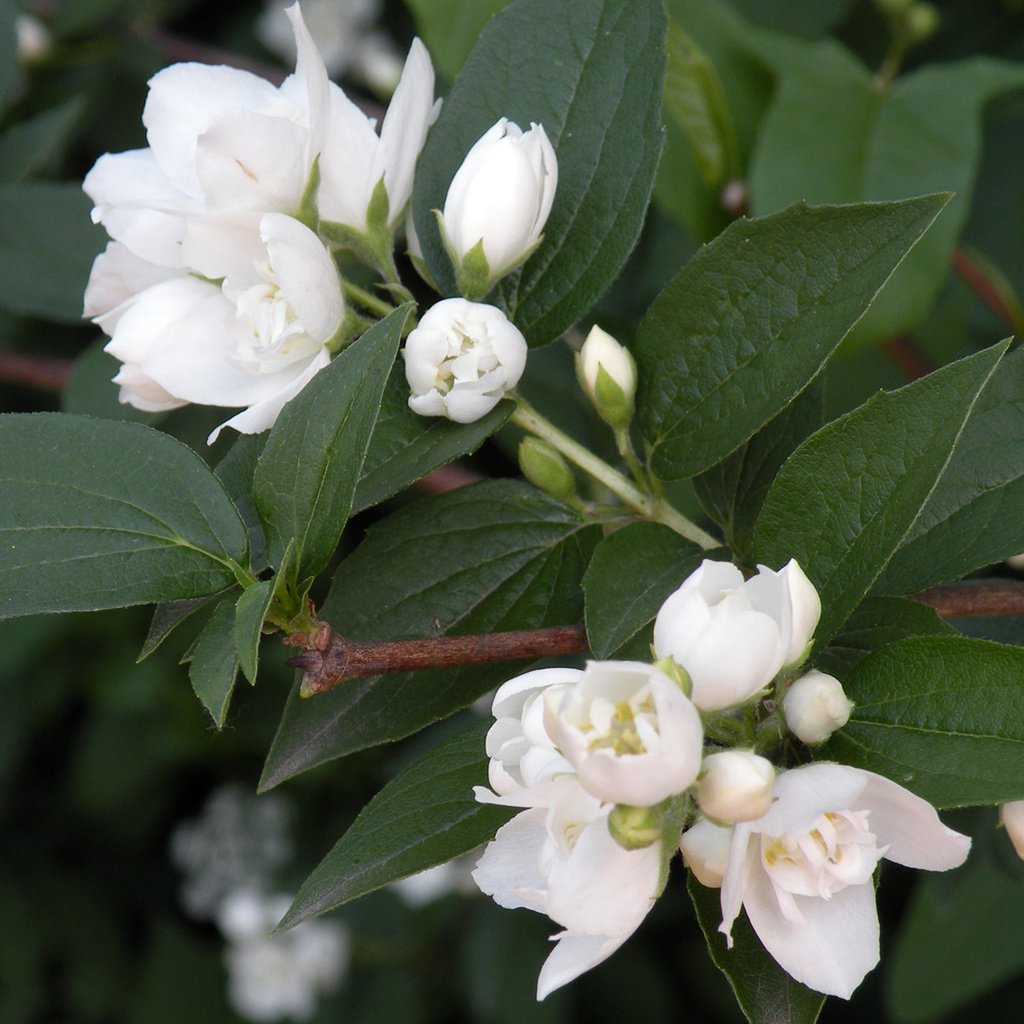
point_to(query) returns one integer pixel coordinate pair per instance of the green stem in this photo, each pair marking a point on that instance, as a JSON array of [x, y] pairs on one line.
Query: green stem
[[646, 505], [625, 445], [367, 299]]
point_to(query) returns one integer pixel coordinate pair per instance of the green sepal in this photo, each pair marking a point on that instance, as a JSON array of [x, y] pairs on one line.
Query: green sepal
[[613, 405], [307, 213]]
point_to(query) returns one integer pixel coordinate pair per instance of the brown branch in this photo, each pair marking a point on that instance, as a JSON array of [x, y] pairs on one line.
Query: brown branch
[[328, 659], [974, 599], [40, 372]]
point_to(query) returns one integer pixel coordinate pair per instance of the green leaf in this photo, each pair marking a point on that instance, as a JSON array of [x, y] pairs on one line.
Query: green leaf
[[962, 937], [8, 50], [451, 27], [751, 319], [406, 447], [654, 559], [425, 816], [47, 245], [846, 498], [832, 136], [943, 716], [214, 664], [695, 100], [307, 473], [101, 514], [973, 516], [765, 992], [877, 622], [235, 471], [733, 491], [590, 72], [167, 618], [91, 391], [250, 611], [29, 145], [493, 556]]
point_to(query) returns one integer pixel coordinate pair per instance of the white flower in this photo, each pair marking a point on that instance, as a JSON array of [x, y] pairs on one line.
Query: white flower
[[225, 147], [273, 977], [803, 872], [355, 160], [500, 199], [733, 636], [705, 850], [253, 341], [562, 861], [629, 731], [815, 706], [735, 785], [1011, 817], [608, 375], [462, 359]]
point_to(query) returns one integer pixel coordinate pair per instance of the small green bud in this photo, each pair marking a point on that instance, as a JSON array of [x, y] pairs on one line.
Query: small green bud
[[634, 828], [676, 673], [607, 374], [922, 21], [545, 468]]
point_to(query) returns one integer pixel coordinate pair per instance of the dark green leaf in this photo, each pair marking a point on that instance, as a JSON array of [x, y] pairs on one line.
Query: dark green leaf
[[493, 556], [451, 27], [406, 447], [751, 319], [832, 136], [846, 498], [213, 667], [91, 390], [765, 992], [943, 716], [47, 245], [962, 937], [29, 145], [166, 618], [307, 473], [733, 491], [8, 50], [425, 816], [591, 73], [235, 471], [877, 622], [973, 516], [100, 514], [250, 611], [654, 560]]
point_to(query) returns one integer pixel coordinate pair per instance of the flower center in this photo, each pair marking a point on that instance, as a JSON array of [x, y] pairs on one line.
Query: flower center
[[468, 358], [620, 727]]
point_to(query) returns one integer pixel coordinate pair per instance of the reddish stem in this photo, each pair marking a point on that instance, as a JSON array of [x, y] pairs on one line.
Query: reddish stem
[[40, 372]]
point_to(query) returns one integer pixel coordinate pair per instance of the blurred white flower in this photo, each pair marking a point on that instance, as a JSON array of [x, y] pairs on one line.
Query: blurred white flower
[[35, 42], [1011, 817], [732, 636], [561, 860], [803, 872], [499, 201], [273, 977], [454, 876], [462, 359], [815, 705], [631, 734], [735, 785], [253, 341]]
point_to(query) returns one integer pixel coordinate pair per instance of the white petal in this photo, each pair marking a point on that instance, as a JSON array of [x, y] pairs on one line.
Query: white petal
[[509, 870], [572, 956], [347, 163], [835, 945], [803, 794], [511, 696], [311, 74]]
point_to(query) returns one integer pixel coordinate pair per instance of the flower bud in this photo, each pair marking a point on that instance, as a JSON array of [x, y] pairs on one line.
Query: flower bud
[[815, 706], [705, 849], [498, 203], [634, 828], [1011, 817], [735, 785], [462, 359], [607, 374], [545, 468], [922, 22]]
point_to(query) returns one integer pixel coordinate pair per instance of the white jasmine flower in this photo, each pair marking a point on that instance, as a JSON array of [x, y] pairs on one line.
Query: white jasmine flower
[[629, 731], [462, 359], [815, 706], [562, 861], [803, 872], [253, 341], [732, 636], [499, 200], [735, 785]]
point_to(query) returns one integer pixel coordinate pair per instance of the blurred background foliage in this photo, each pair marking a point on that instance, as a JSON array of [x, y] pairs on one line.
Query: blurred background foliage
[[767, 102]]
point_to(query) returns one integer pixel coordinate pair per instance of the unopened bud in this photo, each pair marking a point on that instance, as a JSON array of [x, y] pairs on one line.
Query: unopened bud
[[607, 374], [893, 8], [815, 706], [634, 828], [705, 849], [545, 468], [735, 785], [922, 21], [1011, 817]]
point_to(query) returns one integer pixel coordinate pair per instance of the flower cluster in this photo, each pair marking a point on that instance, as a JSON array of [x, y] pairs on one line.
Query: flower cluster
[[620, 764], [220, 285]]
